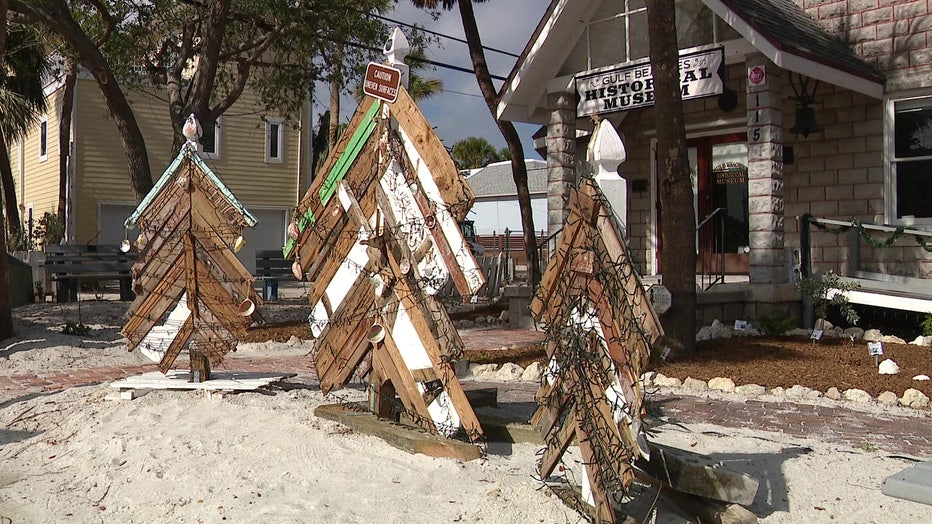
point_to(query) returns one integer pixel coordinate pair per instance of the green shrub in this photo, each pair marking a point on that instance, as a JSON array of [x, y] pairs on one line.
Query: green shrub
[[926, 325], [776, 326], [817, 290], [50, 230]]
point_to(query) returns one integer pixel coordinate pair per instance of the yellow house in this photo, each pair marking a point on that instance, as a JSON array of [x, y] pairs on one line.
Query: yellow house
[[259, 157]]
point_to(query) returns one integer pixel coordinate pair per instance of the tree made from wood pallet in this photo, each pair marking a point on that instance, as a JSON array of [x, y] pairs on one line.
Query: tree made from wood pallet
[[191, 290], [600, 330], [378, 233]]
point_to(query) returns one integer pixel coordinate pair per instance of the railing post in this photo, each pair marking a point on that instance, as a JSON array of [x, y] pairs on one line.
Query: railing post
[[805, 250]]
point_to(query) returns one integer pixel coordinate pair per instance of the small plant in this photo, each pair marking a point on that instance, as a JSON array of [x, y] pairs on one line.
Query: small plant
[[817, 289], [39, 289], [76, 329], [50, 230], [926, 325], [776, 326]]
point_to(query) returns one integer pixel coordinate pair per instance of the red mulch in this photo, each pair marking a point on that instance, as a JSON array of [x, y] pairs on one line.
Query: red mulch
[[787, 361], [767, 361]]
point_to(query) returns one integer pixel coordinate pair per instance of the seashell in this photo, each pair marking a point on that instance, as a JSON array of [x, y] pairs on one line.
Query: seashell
[[297, 270], [238, 243], [125, 245], [246, 307], [376, 333], [293, 231]]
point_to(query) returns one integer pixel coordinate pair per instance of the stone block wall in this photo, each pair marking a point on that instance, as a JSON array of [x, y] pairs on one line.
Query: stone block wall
[[895, 36]]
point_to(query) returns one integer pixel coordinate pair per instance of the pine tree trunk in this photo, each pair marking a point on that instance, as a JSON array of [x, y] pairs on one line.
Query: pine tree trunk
[[518, 167], [678, 219]]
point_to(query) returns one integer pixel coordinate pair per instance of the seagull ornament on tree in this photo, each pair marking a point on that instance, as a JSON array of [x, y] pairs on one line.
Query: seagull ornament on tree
[[192, 129]]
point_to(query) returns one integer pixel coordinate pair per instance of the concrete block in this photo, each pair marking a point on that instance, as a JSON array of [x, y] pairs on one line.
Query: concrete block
[[913, 483]]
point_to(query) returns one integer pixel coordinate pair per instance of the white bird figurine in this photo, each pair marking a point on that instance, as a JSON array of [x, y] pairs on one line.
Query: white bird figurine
[[192, 129]]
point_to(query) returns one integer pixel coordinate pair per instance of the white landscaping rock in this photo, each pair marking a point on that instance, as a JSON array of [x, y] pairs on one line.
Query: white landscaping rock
[[751, 390], [482, 370], [667, 382], [722, 384], [873, 335], [915, 399], [857, 332], [887, 398], [461, 367], [503, 317], [833, 393], [647, 378], [798, 391], [778, 391], [824, 325], [704, 334], [857, 395], [798, 332], [509, 371], [921, 377], [888, 367], [922, 341], [532, 373], [890, 339], [693, 384]]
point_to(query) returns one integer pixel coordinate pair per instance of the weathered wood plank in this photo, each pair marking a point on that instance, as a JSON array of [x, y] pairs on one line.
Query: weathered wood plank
[[177, 344], [430, 148], [556, 446]]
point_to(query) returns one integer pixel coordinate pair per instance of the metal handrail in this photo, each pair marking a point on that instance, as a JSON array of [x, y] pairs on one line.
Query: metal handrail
[[711, 274]]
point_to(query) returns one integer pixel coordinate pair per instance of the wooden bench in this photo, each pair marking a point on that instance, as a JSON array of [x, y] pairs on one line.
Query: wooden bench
[[68, 265], [272, 266]]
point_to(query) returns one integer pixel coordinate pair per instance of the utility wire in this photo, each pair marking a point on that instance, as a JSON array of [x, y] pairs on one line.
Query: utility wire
[[442, 35]]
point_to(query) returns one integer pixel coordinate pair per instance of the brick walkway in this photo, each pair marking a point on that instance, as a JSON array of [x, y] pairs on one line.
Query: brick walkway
[[894, 434]]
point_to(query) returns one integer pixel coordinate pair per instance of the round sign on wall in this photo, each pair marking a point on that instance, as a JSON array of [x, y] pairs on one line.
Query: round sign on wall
[[660, 298]]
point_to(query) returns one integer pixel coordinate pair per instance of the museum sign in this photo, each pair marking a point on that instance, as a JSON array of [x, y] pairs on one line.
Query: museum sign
[[631, 85]]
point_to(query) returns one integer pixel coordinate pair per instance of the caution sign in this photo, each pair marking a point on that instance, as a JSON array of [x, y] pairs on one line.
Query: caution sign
[[382, 82]]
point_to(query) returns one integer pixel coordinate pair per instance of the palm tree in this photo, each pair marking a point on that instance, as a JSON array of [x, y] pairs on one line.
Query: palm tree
[[472, 152], [24, 68], [484, 79]]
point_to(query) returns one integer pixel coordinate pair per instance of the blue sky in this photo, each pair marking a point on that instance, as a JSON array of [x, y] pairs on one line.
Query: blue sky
[[460, 111]]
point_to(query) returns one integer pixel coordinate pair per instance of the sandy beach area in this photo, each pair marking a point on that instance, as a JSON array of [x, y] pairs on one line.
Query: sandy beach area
[[72, 455]]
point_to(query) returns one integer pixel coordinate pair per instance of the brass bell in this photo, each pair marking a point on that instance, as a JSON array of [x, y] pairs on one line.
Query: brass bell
[[805, 121]]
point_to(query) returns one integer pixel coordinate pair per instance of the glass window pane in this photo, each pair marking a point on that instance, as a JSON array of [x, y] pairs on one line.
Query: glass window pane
[[639, 39], [209, 139], [913, 187], [693, 24], [43, 138], [607, 42], [273, 140], [913, 132], [730, 191]]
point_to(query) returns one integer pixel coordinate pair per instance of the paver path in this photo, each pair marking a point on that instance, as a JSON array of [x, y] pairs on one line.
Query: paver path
[[894, 434]]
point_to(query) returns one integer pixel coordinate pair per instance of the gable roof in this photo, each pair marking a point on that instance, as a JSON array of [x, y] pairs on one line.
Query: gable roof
[[779, 29], [496, 179]]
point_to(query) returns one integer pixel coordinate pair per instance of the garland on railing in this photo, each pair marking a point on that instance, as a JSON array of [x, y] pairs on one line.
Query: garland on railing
[[897, 233]]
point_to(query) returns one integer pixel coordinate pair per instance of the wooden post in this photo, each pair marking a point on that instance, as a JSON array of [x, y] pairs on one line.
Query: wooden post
[[200, 367]]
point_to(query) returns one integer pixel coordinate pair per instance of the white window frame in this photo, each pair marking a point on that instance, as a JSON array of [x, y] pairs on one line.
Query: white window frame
[[890, 160], [280, 136], [218, 142], [44, 140]]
